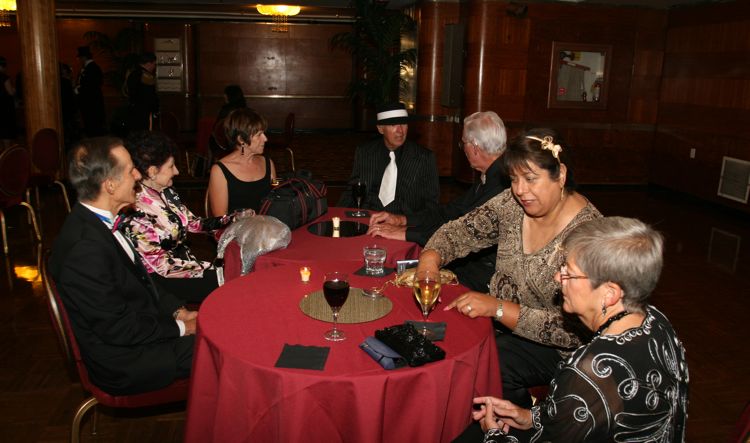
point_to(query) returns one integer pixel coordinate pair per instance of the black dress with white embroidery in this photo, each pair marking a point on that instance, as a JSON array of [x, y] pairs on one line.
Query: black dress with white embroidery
[[627, 387]]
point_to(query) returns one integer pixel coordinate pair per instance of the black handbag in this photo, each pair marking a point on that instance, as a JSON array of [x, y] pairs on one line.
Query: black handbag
[[410, 344], [296, 201]]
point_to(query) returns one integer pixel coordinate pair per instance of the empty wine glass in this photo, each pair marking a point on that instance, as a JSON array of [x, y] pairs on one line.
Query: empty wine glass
[[336, 291], [426, 291], [359, 192]]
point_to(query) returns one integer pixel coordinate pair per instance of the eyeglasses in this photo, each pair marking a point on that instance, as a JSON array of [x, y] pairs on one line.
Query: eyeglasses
[[565, 276]]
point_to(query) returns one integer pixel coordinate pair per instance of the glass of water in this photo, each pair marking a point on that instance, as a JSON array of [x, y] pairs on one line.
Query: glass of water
[[374, 259]]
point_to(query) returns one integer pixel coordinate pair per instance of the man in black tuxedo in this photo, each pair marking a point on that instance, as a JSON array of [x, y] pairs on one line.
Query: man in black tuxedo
[[133, 336], [90, 97], [483, 142], [401, 177]]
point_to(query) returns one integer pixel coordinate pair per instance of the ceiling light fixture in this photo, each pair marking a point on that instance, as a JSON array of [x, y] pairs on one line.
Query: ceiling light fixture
[[7, 9], [280, 14]]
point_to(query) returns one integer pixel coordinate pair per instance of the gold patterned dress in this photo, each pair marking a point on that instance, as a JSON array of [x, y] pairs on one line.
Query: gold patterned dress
[[526, 279]]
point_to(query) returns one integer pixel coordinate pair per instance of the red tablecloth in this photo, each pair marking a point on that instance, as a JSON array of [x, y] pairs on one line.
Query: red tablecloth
[[305, 245], [237, 395]]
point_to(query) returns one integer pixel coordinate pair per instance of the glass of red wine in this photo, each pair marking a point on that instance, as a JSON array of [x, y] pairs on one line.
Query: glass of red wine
[[359, 192], [336, 291]]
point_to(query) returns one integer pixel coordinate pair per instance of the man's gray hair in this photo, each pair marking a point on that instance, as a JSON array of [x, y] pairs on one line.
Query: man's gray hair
[[621, 250], [91, 162], [486, 130]]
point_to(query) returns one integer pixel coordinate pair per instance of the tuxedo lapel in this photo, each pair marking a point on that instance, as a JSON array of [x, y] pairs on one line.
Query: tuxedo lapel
[[135, 266]]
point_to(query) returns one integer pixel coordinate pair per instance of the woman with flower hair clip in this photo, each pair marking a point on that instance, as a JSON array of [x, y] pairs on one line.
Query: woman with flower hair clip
[[528, 223]]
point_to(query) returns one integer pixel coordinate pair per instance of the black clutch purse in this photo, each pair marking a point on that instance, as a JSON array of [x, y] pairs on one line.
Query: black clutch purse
[[410, 344]]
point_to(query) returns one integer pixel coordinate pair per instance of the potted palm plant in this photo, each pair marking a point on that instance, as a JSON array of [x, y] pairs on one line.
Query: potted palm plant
[[375, 45]]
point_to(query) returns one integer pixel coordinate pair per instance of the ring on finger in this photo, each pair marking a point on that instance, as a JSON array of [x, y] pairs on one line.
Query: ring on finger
[[468, 308]]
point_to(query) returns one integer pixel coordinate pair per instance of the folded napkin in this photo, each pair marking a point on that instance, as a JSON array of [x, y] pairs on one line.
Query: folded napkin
[[382, 354], [437, 328], [353, 214], [303, 357], [363, 271]]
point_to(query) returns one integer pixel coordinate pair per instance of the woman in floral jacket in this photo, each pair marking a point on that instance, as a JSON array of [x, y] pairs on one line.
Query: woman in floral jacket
[[159, 224]]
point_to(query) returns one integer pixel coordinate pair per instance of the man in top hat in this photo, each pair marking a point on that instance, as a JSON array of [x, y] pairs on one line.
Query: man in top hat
[[401, 177], [90, 97]]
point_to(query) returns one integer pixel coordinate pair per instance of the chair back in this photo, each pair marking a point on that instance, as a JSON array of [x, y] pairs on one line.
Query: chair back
[[15, 170], [220, 137], [170, 125], [45, 152], [56, 316], [61, 324], [203, 135], [289, 130]]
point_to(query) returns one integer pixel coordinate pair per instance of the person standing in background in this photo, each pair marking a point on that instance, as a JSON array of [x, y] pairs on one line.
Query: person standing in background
[[8, 129], [142, 96], [68, 105], [90, 97]]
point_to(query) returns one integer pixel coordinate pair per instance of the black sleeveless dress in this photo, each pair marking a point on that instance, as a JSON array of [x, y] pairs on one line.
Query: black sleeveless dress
[[246, 195]]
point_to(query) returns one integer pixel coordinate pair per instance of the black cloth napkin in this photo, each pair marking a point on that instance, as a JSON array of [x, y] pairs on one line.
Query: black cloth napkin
[[363, 271], [353, 214], [303, 357], [437, 328]]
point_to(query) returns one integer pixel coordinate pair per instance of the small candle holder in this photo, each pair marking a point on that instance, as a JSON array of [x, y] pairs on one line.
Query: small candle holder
[[336, 222], [304, 274]]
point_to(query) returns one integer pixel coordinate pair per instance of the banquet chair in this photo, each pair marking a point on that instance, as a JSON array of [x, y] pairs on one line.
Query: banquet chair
[[15, 169], [177, 391], [285, 140], [201, 149], [46, 158]]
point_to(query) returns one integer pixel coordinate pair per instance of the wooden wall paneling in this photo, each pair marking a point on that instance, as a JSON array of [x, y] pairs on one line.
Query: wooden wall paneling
[[430, 128], [648, 60], [279, 72], [496, 64]]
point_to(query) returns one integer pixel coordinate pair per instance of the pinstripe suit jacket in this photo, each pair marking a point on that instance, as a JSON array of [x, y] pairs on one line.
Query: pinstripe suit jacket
[[417, 186]]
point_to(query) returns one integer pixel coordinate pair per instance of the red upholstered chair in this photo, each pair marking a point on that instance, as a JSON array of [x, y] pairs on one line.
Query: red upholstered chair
[[201, 150], [15, 169], [741, 432], [177, 391], [46, 158]]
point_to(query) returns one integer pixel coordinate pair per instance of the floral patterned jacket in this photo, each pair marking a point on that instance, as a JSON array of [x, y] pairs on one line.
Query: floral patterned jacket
[[158, 228]]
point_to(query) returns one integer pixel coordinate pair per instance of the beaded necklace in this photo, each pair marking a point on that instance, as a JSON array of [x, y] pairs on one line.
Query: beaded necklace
[[609, 321]]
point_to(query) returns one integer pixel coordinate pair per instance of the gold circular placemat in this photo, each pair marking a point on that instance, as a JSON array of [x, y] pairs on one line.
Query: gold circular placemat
[[358, 308]]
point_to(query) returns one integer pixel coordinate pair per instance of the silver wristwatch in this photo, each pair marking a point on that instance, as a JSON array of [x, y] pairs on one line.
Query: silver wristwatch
[[499, 312]]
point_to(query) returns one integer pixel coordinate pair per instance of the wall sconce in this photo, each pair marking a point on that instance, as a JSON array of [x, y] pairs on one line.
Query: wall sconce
[[280, 14], [7, 8]]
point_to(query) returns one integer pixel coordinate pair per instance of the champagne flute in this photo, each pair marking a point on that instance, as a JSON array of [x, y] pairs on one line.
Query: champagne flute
[[359, 192], [336, 291], [426, 291]]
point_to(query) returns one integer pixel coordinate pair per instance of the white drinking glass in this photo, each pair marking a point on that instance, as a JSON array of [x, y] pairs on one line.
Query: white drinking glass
[[374, 259]]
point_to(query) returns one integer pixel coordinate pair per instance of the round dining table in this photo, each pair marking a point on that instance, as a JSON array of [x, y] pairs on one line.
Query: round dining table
[[238, 394], [305, 244]]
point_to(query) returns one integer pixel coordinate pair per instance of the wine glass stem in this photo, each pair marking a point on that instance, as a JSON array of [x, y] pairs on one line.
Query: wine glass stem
[[335, 321]]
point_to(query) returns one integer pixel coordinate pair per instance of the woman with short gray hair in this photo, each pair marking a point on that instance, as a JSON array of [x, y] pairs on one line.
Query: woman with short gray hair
[[630, 382]]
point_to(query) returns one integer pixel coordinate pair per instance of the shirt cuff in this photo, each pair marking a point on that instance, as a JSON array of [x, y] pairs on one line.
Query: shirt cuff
[[181, 325]]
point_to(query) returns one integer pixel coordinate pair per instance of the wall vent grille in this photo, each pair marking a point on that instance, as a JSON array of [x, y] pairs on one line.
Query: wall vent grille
[[734, 182]]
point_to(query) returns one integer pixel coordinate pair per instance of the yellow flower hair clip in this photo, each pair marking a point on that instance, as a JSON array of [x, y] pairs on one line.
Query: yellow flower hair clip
[[547, 143]]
